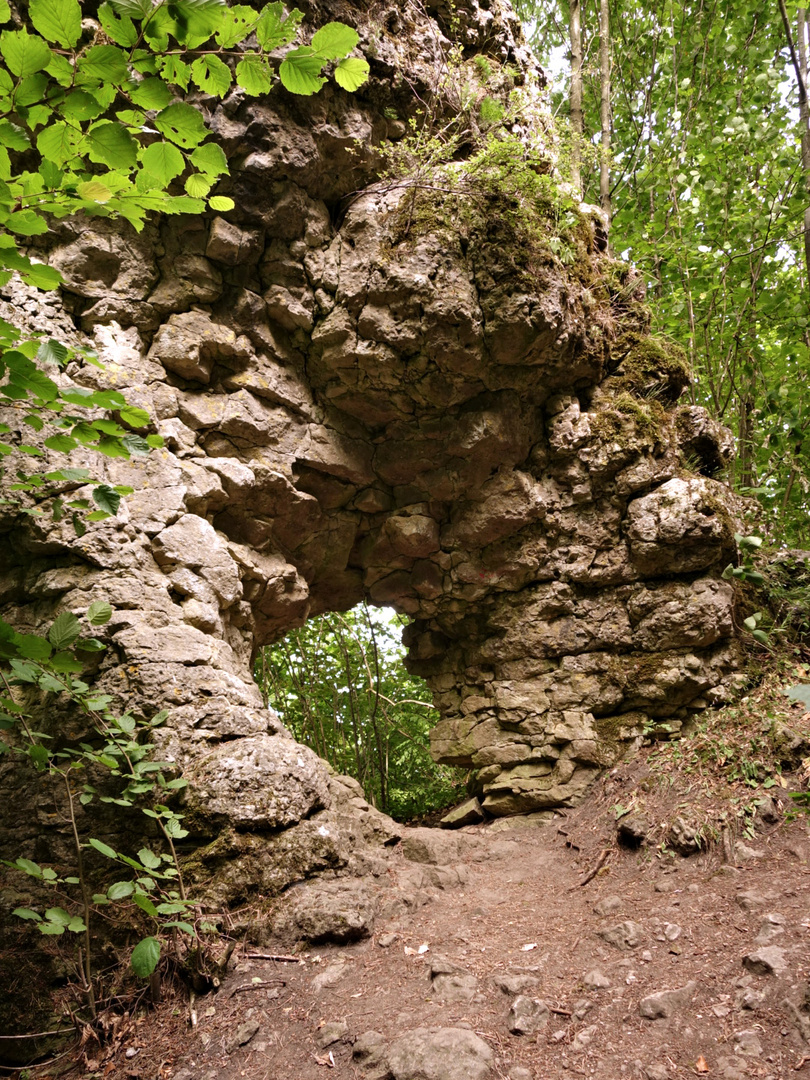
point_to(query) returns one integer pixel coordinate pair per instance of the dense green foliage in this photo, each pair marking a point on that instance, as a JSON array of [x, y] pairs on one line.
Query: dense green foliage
[[709, 195], [340, 687]]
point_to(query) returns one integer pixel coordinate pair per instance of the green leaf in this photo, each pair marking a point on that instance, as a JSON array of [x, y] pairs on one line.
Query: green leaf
[[41, 277], [334, 40], [273, 30], [352, 73], [99, 613], [23, 52], [13, 136], [58, 915], [27, 223], [211, 75], [133, 9], [235, 25], [65, 663], [198, 185], [120, 890], [30, 92], [149, 859], [26, 913], [134, 416], [33, 647], [51, 928], [151, 94], [105, 849], [102, 64], [176, 71], [57, 20], [221, 203], [163, 161], [183, 124], [53, 352], [122, 31], [94, 191], [187, 927], [300, 71], [30, 868], [145, 904], [64, 630], [63, 444], [210, 159], [26, 376], [58, 142], [254, 75], [109, 143], [145, 957], [81, 105], [50, 684]]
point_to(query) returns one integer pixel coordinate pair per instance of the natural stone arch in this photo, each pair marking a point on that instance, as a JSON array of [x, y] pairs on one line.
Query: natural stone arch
[[385, 412]]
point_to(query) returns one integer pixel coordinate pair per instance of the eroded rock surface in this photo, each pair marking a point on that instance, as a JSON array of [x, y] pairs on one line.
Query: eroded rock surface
[[356, 406]]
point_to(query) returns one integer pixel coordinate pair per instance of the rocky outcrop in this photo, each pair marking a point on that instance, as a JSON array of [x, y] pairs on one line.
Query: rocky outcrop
[[363, 398]]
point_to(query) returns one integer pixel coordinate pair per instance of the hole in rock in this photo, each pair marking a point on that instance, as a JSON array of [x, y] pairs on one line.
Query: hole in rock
[[340, 686]]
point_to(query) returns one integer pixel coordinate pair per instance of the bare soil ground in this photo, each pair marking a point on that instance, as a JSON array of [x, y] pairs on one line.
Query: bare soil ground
[[536, 902]]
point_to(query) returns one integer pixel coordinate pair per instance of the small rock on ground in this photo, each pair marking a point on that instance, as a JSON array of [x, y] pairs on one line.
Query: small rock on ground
[[244, 1033], [625, 935], [595, 980], [468, 813], [527, 1015], [666, 1002], [443, 1054], [515, 984], [609, 905], [331, 1033], [769, 960]]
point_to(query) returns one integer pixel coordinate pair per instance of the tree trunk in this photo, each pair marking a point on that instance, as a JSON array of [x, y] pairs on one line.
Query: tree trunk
[[800, 67], [576, 96], [604, 57], [805, 118]]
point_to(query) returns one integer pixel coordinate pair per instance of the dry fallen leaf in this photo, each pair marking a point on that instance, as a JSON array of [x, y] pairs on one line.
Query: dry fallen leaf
[[700, 1065]]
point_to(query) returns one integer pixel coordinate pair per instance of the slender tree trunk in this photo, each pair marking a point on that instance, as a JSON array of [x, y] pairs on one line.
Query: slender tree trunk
[[805, 118], [576, 96], [604, 57], [800, 67]]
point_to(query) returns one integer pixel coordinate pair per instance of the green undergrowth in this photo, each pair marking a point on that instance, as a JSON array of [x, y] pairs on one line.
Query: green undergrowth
[[738, 764]]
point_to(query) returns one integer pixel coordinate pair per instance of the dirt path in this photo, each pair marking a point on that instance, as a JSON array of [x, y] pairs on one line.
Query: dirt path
[[520, 943]]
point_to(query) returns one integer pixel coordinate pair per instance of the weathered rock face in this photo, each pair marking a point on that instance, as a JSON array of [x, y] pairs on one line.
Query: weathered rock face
[[354, 407]]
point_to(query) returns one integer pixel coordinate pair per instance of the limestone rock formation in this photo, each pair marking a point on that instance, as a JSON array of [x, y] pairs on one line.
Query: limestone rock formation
[[362, 399]]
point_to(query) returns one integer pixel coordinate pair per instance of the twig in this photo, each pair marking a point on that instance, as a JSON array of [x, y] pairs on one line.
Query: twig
[[36, 1034], [803, 1062], [256, 986], [270, 956], [562, 1012], [600, 862]]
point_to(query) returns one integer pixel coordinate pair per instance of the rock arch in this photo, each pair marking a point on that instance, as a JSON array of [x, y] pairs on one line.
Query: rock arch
[[395, 414]]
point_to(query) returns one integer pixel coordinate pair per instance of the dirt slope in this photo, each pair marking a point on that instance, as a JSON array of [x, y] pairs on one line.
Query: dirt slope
[[519, 927]]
